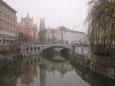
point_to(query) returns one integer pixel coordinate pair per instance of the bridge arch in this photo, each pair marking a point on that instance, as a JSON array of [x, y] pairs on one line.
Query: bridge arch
[[31, 47]]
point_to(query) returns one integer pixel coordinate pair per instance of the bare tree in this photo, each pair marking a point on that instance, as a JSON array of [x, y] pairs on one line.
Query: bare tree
[[101, 21]]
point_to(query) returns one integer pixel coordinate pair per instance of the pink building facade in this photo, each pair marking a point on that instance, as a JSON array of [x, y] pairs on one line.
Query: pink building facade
[[27, 27]]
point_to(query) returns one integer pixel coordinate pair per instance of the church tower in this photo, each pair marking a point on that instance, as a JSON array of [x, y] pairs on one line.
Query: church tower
[[42, 31]]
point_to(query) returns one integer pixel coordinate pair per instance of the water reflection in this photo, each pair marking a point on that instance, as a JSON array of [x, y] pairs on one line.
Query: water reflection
[[94, 79], [48, 72], [42, 73], [28, 74]]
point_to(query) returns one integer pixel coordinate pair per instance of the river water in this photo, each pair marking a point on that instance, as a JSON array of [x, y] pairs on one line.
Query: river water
[[56, 71]]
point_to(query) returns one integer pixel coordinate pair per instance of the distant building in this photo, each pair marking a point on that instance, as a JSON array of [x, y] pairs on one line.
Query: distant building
[[65, 35], [42, 32], [75, 36], [51, 35], [27, 27], [8, 23], [70, 36]]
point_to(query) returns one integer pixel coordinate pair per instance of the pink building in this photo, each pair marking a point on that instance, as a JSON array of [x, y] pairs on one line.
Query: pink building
[[27, 27]]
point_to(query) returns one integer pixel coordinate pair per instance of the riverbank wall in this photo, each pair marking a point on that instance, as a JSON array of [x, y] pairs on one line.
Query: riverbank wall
[[9, 54], [12, 59], [103, 67]]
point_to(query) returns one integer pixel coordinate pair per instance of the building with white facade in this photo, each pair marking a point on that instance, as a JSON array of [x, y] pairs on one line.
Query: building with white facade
[[62, 34], [51, 35], [75, 36]]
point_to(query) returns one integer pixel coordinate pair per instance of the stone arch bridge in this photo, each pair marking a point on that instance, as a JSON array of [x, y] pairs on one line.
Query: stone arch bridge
[[36, 48]]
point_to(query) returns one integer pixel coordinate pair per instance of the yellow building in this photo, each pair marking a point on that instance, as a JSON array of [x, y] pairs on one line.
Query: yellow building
[[8, 22]]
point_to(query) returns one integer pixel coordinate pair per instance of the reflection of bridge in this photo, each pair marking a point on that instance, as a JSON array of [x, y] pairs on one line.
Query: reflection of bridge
[[44, 67], [35, 48]]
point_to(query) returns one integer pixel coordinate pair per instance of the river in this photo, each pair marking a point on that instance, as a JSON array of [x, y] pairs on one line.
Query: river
[[57, 71]]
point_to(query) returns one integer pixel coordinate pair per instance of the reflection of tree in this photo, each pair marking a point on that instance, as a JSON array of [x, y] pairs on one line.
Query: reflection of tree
[[9, 75], [62, 67]]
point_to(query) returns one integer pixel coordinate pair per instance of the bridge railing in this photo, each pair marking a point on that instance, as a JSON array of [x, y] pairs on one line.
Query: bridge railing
[[42, 46]]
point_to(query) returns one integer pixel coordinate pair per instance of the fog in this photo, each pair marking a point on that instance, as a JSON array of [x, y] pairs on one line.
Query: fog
[[68, 13]]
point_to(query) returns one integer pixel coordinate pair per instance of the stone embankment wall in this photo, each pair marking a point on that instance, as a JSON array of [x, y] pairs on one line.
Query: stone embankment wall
[[98, 65], [8, 54]]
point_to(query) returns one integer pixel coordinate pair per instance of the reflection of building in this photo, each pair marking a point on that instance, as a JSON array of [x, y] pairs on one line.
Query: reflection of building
[[8, 22], [29, 74], [27, 27], [42, 73], [32, 73], [62, 67]]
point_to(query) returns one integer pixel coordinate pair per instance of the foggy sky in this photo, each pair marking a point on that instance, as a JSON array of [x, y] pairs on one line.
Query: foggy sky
[[69, 13]]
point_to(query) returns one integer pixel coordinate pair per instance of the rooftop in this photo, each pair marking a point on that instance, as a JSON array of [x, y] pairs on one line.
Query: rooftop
[[4, 3]]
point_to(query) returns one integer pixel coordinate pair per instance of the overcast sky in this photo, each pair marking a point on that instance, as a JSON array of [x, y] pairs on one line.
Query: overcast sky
[[69, 13]]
